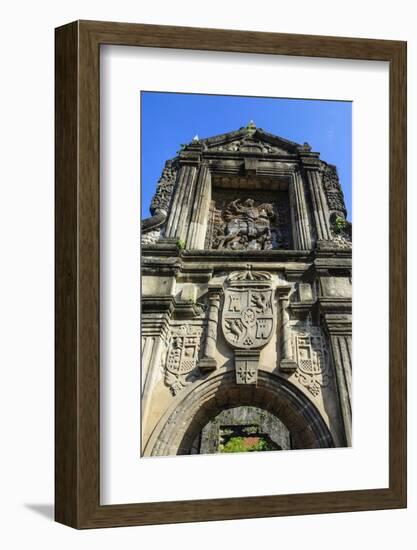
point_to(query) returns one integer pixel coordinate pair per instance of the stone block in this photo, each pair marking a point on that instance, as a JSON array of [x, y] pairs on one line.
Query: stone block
[[305, 292], [189, 294]]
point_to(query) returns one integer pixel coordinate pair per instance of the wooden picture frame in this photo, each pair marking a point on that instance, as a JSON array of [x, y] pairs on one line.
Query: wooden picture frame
[[77, 405]]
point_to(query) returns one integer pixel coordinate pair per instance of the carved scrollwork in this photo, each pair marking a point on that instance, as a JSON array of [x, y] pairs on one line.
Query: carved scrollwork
[[162, 197], [152, 228], [333, 190]]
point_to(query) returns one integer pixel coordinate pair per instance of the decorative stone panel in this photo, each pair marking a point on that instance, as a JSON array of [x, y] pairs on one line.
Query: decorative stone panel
[[255, 221], [182, 356]]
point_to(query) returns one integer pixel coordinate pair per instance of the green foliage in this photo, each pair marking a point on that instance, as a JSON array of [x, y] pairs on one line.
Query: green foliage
[[339, 225], [240, 444], [181, 244]]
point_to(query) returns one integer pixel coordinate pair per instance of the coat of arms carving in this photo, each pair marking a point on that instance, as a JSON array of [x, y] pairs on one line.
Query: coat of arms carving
[[248, 317], [248, 320], [312, 358], [182, 356]]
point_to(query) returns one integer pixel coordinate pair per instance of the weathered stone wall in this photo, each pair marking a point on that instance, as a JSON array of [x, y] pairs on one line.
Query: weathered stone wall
[[252, 289]]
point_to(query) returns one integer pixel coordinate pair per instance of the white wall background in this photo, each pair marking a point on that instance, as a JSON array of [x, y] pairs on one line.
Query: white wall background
[[26, 289]]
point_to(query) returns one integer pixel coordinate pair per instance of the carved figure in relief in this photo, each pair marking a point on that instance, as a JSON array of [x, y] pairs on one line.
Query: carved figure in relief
[[235, 327], [247, 227], [260, 302]]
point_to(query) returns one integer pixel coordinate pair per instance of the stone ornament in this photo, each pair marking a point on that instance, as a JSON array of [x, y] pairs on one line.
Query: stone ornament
[[246, 226], [249, 224], [151, 236], [246, 367], [249, 275], [333, 190], [247, 145], [162, 197], [182, 356], [152, 228], [248, 319], [311, 356]]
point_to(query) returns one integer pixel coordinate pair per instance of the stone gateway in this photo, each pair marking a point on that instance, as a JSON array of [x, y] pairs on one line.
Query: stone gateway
[[246, 300]]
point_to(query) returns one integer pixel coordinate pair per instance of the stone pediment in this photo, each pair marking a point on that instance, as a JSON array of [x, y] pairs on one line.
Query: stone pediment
[[248, 140], [248, 146]]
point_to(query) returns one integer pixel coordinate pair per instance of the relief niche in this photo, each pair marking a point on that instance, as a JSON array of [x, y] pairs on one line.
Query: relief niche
[[248, 223]]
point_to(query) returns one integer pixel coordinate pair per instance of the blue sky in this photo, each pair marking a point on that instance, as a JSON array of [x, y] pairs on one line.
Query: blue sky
[[170, 119]]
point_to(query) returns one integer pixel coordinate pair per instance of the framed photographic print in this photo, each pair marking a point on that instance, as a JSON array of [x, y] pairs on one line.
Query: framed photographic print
[[230, 274]]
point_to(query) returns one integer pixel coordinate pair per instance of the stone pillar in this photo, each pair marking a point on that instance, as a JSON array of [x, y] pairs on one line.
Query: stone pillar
[[200, 209], [320, 209], [339, 329], [294, 213], [181, 208], [208, 362], [301, 218], [155, 326], [287, 363]]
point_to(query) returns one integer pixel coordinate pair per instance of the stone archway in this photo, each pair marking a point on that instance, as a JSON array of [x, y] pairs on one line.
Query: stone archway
[[177, 429]]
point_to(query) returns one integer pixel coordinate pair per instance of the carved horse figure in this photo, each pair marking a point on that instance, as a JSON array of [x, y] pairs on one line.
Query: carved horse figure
[[247, 226]]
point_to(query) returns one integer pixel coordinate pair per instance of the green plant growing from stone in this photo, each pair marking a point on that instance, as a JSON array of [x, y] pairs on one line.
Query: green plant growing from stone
[[180, 244], [340, 225]]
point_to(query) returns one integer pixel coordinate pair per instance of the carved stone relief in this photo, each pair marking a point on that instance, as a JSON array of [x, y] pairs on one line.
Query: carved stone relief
[[182, 356], [246, 367], [311, 356], [162, 197], [247, 145], [342, 240], [151, 237], [257, 222], [333, 190], [248, 319]]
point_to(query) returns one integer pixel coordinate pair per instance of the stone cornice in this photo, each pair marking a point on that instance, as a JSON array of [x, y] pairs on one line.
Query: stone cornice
[[334, 305], [248, 255], [169, 306], [338, 323]]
